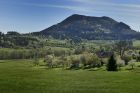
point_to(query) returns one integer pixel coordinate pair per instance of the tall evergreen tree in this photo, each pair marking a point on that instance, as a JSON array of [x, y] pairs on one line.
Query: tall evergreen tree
[[112, 64]]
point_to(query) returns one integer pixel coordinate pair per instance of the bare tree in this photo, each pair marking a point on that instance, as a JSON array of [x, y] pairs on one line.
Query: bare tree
[[123, 46]]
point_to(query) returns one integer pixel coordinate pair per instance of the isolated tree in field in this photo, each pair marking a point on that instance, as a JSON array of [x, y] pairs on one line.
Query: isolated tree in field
[[112, 64], [123, 46]]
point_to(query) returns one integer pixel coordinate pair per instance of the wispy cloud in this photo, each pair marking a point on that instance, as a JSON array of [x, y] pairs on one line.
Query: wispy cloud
[[68, 7], [130, 9], [127, 11], [96, 6], [90, 1], [107, 3]]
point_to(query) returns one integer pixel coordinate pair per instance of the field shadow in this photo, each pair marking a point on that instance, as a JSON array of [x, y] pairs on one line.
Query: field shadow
[[2, 62]]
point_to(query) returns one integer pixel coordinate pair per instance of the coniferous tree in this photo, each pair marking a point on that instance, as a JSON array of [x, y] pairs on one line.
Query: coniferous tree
[[112, 64]]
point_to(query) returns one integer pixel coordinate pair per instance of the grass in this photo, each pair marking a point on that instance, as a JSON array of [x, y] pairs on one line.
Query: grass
[[136, 43], [20, 76]]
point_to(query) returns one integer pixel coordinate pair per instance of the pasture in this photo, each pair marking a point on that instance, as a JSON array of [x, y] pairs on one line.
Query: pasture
[[20, 76]]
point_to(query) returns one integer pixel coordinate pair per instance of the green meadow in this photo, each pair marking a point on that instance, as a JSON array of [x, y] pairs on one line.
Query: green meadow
[[20, 76]]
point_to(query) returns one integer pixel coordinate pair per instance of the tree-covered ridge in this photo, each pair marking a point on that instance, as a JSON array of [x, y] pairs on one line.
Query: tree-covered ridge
[[14, 39]]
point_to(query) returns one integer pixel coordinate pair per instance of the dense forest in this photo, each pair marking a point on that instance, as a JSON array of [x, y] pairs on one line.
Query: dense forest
[[14, 40]]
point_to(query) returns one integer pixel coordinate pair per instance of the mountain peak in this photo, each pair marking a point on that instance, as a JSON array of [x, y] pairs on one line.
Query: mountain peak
[[107, 18], [77, 17], [90, 27], [73, 17]]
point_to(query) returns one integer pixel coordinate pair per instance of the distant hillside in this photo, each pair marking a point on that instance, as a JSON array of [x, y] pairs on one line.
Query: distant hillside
[[87, 27]]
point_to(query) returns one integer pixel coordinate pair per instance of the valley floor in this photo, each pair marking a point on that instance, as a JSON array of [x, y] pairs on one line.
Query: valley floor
[[20, 76]]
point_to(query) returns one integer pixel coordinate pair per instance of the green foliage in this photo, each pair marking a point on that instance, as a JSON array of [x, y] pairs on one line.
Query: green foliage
[[59, 52], [112, 64], [75, 61], [49, 61], [15, 40], [138, 58], [13, 33], [78, 50], [89, 60], [6, 53]]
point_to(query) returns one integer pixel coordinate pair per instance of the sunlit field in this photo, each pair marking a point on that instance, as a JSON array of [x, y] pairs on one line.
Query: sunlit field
[[20, 76]]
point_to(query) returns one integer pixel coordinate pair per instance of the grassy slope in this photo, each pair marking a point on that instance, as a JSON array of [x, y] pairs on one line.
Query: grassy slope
[[21, 77]]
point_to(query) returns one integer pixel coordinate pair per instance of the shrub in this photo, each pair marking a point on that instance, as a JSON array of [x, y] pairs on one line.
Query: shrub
[[78, 50], [93, 61], [63, 61], [90, 60], [48, 60], [75, 61]]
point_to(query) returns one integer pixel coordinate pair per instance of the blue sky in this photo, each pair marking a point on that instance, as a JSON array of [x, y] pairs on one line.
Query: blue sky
[[34, 15]]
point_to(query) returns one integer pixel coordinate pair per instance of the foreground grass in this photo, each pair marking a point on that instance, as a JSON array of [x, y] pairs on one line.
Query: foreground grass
[[19, 76]]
